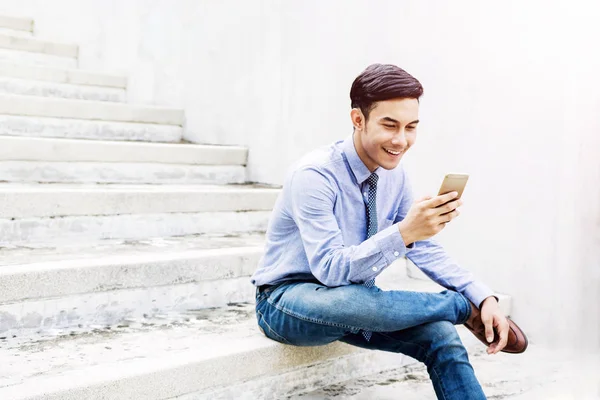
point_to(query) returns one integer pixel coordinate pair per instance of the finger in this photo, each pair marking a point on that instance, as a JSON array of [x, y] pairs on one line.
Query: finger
[[439, 200], [445, 218], [423, 199], [504, 328], [494, 347], [448, 207]]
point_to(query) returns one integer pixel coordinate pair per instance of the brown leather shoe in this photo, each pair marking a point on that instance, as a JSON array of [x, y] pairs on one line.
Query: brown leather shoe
[[517, 341]]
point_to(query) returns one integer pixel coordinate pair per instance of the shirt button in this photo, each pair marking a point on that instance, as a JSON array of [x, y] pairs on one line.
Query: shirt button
[[365, 193], [396, 254], [374, 268]]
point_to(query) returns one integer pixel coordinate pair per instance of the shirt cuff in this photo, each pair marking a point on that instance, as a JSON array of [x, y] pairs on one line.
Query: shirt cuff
[[390, 243], [477, 292]]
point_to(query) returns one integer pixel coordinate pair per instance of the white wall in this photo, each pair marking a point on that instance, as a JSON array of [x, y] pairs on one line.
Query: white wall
[[511, 97]]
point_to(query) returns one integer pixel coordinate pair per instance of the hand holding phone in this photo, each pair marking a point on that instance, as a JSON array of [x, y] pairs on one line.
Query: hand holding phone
[[429, 216]]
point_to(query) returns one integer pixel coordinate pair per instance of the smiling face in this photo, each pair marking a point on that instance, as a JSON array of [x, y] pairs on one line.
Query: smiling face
[[390, 131]]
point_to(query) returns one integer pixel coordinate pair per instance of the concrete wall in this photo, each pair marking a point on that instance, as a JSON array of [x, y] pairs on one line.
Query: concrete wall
[[511, 97]]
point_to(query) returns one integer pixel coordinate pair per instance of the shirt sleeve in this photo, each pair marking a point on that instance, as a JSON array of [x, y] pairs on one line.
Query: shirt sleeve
[[313, 197], [431, 258]]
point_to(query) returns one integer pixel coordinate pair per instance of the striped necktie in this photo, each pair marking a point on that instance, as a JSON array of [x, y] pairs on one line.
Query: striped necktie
[[371, 226]]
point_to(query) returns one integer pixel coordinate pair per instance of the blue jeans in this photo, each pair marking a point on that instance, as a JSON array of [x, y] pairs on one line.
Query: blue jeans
[[420, 325]]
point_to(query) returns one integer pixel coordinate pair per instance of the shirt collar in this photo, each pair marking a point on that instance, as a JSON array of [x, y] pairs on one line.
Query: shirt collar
[[358, 167]]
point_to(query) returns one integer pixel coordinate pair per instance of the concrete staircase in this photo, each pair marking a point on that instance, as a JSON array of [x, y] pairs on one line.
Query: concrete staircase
[[125, 254]]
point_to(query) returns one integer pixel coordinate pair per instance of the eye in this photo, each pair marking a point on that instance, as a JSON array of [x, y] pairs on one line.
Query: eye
[[411, 128], [389, 126]]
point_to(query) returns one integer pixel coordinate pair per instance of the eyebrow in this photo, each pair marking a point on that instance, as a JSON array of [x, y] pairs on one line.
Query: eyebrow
[[388, 119]]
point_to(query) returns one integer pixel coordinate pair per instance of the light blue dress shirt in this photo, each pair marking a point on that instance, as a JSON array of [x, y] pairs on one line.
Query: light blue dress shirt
[[318, 227]]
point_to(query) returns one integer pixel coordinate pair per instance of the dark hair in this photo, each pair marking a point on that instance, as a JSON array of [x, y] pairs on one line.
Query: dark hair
[[382, 82]]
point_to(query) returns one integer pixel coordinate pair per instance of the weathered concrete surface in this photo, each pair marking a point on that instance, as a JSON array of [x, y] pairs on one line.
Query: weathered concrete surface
[[162, 358], [15, 125], [55, 200], [87, 229], [70, 150], [12, 32], [62, 75], [26, 57], [539, 373], [60, 90], [36, 45], [17, 23], [49, 288], [12, 104], [124, 172]]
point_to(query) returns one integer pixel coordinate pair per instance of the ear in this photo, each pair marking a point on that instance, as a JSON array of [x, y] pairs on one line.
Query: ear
[[357, 118]]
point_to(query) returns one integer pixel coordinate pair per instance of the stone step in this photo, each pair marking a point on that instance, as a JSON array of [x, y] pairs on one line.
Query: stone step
[[81, 161], [61, 200], [88, 110], [47, 288], [35, 45], [44, 149], [30, 58], [61, 90], [62, 75], [14, 125], [213, 354], [18, 45], [61, 213], [16, 23], [13, 32]]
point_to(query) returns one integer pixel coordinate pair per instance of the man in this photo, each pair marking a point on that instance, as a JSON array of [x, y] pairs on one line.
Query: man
[[345, 213]]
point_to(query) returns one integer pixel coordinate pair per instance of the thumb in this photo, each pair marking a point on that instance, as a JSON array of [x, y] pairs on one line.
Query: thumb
[[489, 329], [424, 198]]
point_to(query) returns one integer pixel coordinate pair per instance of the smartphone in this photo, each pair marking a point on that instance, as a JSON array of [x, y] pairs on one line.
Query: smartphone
[[453, 183]]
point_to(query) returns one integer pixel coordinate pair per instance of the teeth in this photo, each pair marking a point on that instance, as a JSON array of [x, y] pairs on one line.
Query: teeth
[[392, 152]]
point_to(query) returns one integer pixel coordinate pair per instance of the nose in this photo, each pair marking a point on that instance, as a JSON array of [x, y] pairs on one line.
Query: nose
[[400, 139]]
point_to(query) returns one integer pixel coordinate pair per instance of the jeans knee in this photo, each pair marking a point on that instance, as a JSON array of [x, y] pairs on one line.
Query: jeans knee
[[445, 343], [464, 310]]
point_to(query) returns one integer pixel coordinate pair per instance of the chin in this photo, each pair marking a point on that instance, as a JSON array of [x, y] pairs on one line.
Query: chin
[[390, 165]]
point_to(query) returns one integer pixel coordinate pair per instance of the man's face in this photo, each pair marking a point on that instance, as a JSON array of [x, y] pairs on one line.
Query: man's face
[[389, 133]]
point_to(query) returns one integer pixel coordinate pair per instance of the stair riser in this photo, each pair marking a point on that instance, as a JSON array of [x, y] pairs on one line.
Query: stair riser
[[84, 172], [56, 279], [12, 32], [86, 311], [303, 380], [89, 110], [67, 128], [183, 375], [120, 200], [66, 230], [29, 58], [59, 75], [48, 89], [14, 148], [38, 46], [18, 23]]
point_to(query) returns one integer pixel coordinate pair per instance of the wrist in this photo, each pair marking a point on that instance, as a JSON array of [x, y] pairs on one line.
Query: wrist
[[489, 299], [405, 233]]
